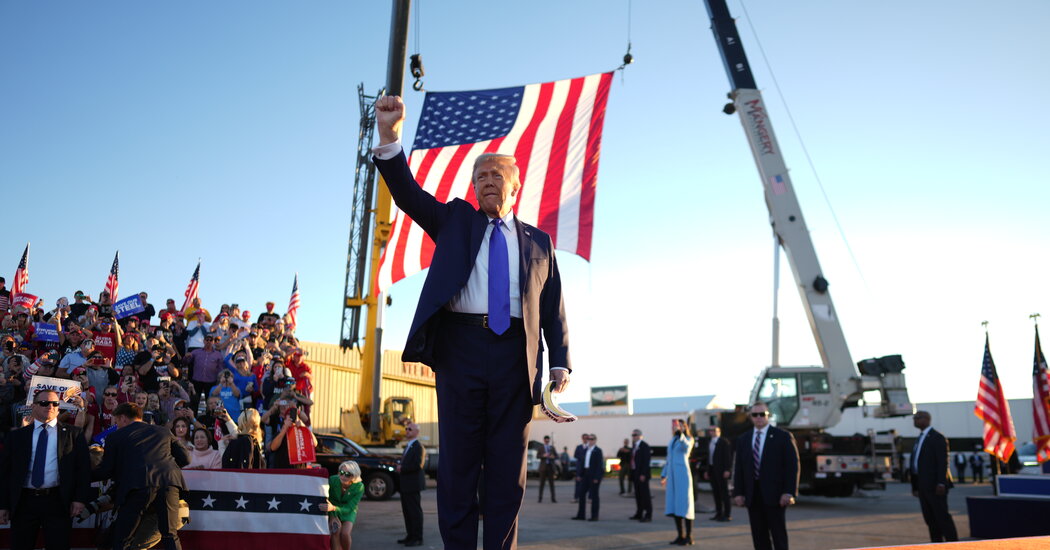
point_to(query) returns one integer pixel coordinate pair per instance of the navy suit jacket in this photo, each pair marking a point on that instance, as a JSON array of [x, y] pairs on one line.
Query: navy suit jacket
[[779, 466], [413, 478], [722, 461], [597, 467], [457, 229], [142, 455], [642, 461], [933, 464]]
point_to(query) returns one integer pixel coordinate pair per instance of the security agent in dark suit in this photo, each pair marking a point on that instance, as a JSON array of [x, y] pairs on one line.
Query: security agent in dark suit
[[770, 488], [144, 462], [641, 471], [413, 480], [493, 285], [577, 453], [547, 457], [45, 477], [719, 468], [589, 473], [931, 478]]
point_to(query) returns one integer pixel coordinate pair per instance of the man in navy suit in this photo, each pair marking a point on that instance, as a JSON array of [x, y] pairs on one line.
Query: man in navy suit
[[45, 477], [641, 471], [766, 479], [589, 473], [931, 478], [493, 285]]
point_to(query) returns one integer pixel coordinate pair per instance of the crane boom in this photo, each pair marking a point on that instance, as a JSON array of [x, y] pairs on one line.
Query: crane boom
[[844, 385]]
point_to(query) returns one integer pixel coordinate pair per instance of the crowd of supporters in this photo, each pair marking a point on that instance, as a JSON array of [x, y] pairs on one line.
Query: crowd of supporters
[[226, 385]]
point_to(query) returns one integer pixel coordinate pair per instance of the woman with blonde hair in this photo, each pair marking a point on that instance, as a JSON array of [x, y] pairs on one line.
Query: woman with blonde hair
[[245, 451], [344, 494]]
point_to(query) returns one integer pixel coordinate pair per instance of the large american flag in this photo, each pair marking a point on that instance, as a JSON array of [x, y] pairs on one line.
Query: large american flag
[[112, 284], [993, 409], [554, 130], [191, 289], [21, 275], [293, 302], [1041, 402]]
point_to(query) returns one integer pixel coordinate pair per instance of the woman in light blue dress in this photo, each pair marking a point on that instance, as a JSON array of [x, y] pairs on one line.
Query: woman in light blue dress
[[678, 481]]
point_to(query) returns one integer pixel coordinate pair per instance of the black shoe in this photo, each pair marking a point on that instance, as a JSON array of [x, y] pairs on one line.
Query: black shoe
[[636, 516], [716, 517], [726, 519], [645, 520], [677, 541], [578, 518], [554, 501], [404, 540], [540, 501], [688, 541], [414, 542], [593, 519]]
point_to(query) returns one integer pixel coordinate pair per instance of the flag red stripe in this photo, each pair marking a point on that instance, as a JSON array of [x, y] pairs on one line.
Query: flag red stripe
[[448, 177], [551, 198], [220, 540], [397, 271], [590, 167], [523, 152]]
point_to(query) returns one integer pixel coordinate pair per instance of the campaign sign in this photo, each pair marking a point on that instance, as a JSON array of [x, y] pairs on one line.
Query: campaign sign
[[128, 307], [23, 300], [300, 445], [45, 332], [66, 389]]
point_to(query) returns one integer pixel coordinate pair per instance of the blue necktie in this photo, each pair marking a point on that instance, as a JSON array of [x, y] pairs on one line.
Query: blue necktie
[[499, 280], [41, 457]]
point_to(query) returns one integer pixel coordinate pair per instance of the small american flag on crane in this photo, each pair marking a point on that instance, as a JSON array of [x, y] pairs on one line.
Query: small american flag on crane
[[112, 284], [191, 289], [554, 131], [1041, 403], [293, 302], [21, 274], [993, 409]]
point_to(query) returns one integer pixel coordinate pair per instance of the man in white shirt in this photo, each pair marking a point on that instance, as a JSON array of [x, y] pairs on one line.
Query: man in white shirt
[[45, 477]]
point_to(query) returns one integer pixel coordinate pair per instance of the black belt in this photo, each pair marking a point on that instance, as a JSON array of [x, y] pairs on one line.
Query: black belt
[[478, 319], [40, 492]]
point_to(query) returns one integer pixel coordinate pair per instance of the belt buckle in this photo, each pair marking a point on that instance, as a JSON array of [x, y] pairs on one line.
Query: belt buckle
[[485, 321]]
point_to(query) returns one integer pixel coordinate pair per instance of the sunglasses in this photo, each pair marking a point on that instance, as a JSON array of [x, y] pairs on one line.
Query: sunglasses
[[109, 395], [48, 403], [760, 414], [345, 474]]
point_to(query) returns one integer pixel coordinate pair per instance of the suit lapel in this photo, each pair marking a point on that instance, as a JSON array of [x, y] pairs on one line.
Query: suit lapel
[[524, 254], [479, 224]]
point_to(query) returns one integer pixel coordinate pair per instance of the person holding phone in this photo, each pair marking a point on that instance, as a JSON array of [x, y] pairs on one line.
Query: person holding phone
[[279, 446]]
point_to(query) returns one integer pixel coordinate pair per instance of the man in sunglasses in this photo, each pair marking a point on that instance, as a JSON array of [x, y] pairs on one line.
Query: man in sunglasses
[[766, 479], [46, 477]]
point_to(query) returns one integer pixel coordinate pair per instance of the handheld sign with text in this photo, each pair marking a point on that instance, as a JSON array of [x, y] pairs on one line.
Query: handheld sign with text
[[300, 445], [65, 389], [45, 332], [23, 300], [128, 307]]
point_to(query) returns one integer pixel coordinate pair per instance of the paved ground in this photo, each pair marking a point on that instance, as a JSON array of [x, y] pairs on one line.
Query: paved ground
[[879, 518]]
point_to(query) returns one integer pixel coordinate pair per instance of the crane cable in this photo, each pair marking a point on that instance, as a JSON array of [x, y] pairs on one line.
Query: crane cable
[[805, 151]]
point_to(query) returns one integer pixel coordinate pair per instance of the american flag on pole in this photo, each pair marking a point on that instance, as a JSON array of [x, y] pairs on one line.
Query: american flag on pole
[[1041, 403], [112, 283], [554, 130], [191, 290], [251, 509], [21, 275], [993, 409], [293, 302]]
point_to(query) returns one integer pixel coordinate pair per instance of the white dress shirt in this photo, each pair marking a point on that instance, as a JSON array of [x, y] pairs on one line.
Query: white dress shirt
[[918, 449], [51, 462], [587, 457]]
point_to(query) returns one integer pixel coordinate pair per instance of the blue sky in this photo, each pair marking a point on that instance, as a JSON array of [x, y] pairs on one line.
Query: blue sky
[[227, 131]]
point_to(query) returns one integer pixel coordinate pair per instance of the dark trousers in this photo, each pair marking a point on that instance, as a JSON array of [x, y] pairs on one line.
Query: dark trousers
[[547, 477], [962, 472], [202, 388], [485, 405], [34, 513], [768, 522], [978, 474], [412, 509], [935, 514], [164, 501], [590, 485], [643, 501], [720, 489]]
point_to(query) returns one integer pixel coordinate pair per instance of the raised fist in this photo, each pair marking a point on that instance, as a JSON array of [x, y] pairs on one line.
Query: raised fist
[[390, 114]]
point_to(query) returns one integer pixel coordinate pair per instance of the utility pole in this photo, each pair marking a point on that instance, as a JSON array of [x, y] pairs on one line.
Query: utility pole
[[395, 78]]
